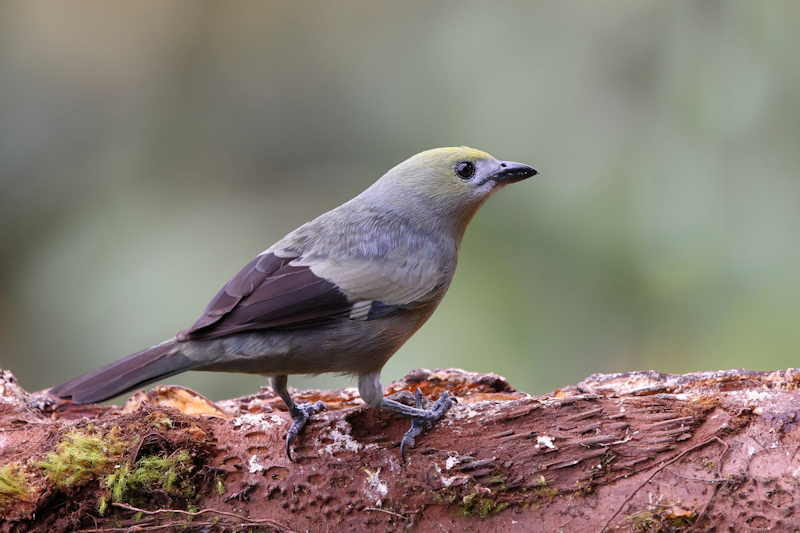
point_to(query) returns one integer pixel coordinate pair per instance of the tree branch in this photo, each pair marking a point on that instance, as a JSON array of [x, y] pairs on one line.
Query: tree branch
[[623, 452]]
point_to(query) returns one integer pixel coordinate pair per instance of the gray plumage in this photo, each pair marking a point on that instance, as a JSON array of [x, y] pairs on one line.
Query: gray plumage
[[342, 293]]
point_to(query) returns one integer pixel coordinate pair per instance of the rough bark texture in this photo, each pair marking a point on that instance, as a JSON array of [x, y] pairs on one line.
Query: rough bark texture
[[642, 451]]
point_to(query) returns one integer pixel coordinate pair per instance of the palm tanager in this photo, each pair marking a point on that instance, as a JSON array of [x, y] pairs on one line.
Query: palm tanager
[[341, 293]]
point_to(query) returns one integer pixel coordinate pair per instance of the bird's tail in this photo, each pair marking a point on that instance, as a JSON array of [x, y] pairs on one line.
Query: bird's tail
[[125, 375]]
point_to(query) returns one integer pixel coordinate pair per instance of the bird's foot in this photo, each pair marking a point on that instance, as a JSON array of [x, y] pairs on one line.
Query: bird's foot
[[422, 419], [300, 414]]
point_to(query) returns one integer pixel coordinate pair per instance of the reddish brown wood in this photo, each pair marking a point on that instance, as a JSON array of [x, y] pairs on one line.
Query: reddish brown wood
[[627, 452]]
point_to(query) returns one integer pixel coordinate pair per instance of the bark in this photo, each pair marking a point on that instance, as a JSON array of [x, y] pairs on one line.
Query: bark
[[641, 451]]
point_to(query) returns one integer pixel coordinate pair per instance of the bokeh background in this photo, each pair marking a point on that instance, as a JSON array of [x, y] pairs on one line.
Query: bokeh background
[[150, 149]]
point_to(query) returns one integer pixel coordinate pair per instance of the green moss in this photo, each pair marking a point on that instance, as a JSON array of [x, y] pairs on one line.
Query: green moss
[[477, 506], [445, 497], [14, 484], [161, 421], [171, 475], [86, 455], [545, 492], [542, 490], [81, 457]]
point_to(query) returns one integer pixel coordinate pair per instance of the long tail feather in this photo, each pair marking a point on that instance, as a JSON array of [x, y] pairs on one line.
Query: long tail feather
[[125, 375]]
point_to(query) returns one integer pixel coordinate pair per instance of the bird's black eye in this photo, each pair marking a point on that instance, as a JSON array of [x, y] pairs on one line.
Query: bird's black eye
[[465, 169]]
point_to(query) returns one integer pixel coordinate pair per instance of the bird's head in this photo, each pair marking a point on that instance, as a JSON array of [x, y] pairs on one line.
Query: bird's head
[[448, 184]]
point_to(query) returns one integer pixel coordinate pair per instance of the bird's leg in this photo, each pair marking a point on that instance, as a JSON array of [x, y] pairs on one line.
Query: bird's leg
[[421, 419], [299, 412]]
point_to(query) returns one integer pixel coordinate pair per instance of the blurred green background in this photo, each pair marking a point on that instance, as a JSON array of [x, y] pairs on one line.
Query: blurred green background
[[150, 149]]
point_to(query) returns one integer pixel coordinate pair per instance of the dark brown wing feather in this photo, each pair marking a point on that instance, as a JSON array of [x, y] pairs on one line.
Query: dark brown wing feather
[[269, 294]]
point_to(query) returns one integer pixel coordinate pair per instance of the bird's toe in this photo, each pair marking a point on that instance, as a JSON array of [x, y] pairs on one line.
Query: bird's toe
[[424, 419], [300, 415]]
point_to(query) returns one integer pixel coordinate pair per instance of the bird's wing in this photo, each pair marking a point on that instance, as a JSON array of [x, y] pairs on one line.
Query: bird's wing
[[269, 293], [274, 292]]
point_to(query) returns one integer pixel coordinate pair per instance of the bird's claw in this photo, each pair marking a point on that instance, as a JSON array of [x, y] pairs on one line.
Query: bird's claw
[[300, 415], [425, 419]]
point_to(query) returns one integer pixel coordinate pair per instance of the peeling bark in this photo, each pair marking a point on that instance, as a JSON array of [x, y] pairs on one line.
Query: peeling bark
[[641, 451]]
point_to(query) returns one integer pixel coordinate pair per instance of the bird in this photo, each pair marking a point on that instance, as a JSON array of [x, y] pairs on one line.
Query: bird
[[341, 293]]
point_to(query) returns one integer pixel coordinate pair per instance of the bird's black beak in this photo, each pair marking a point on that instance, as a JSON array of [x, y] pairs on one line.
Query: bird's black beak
[[512, 172]]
